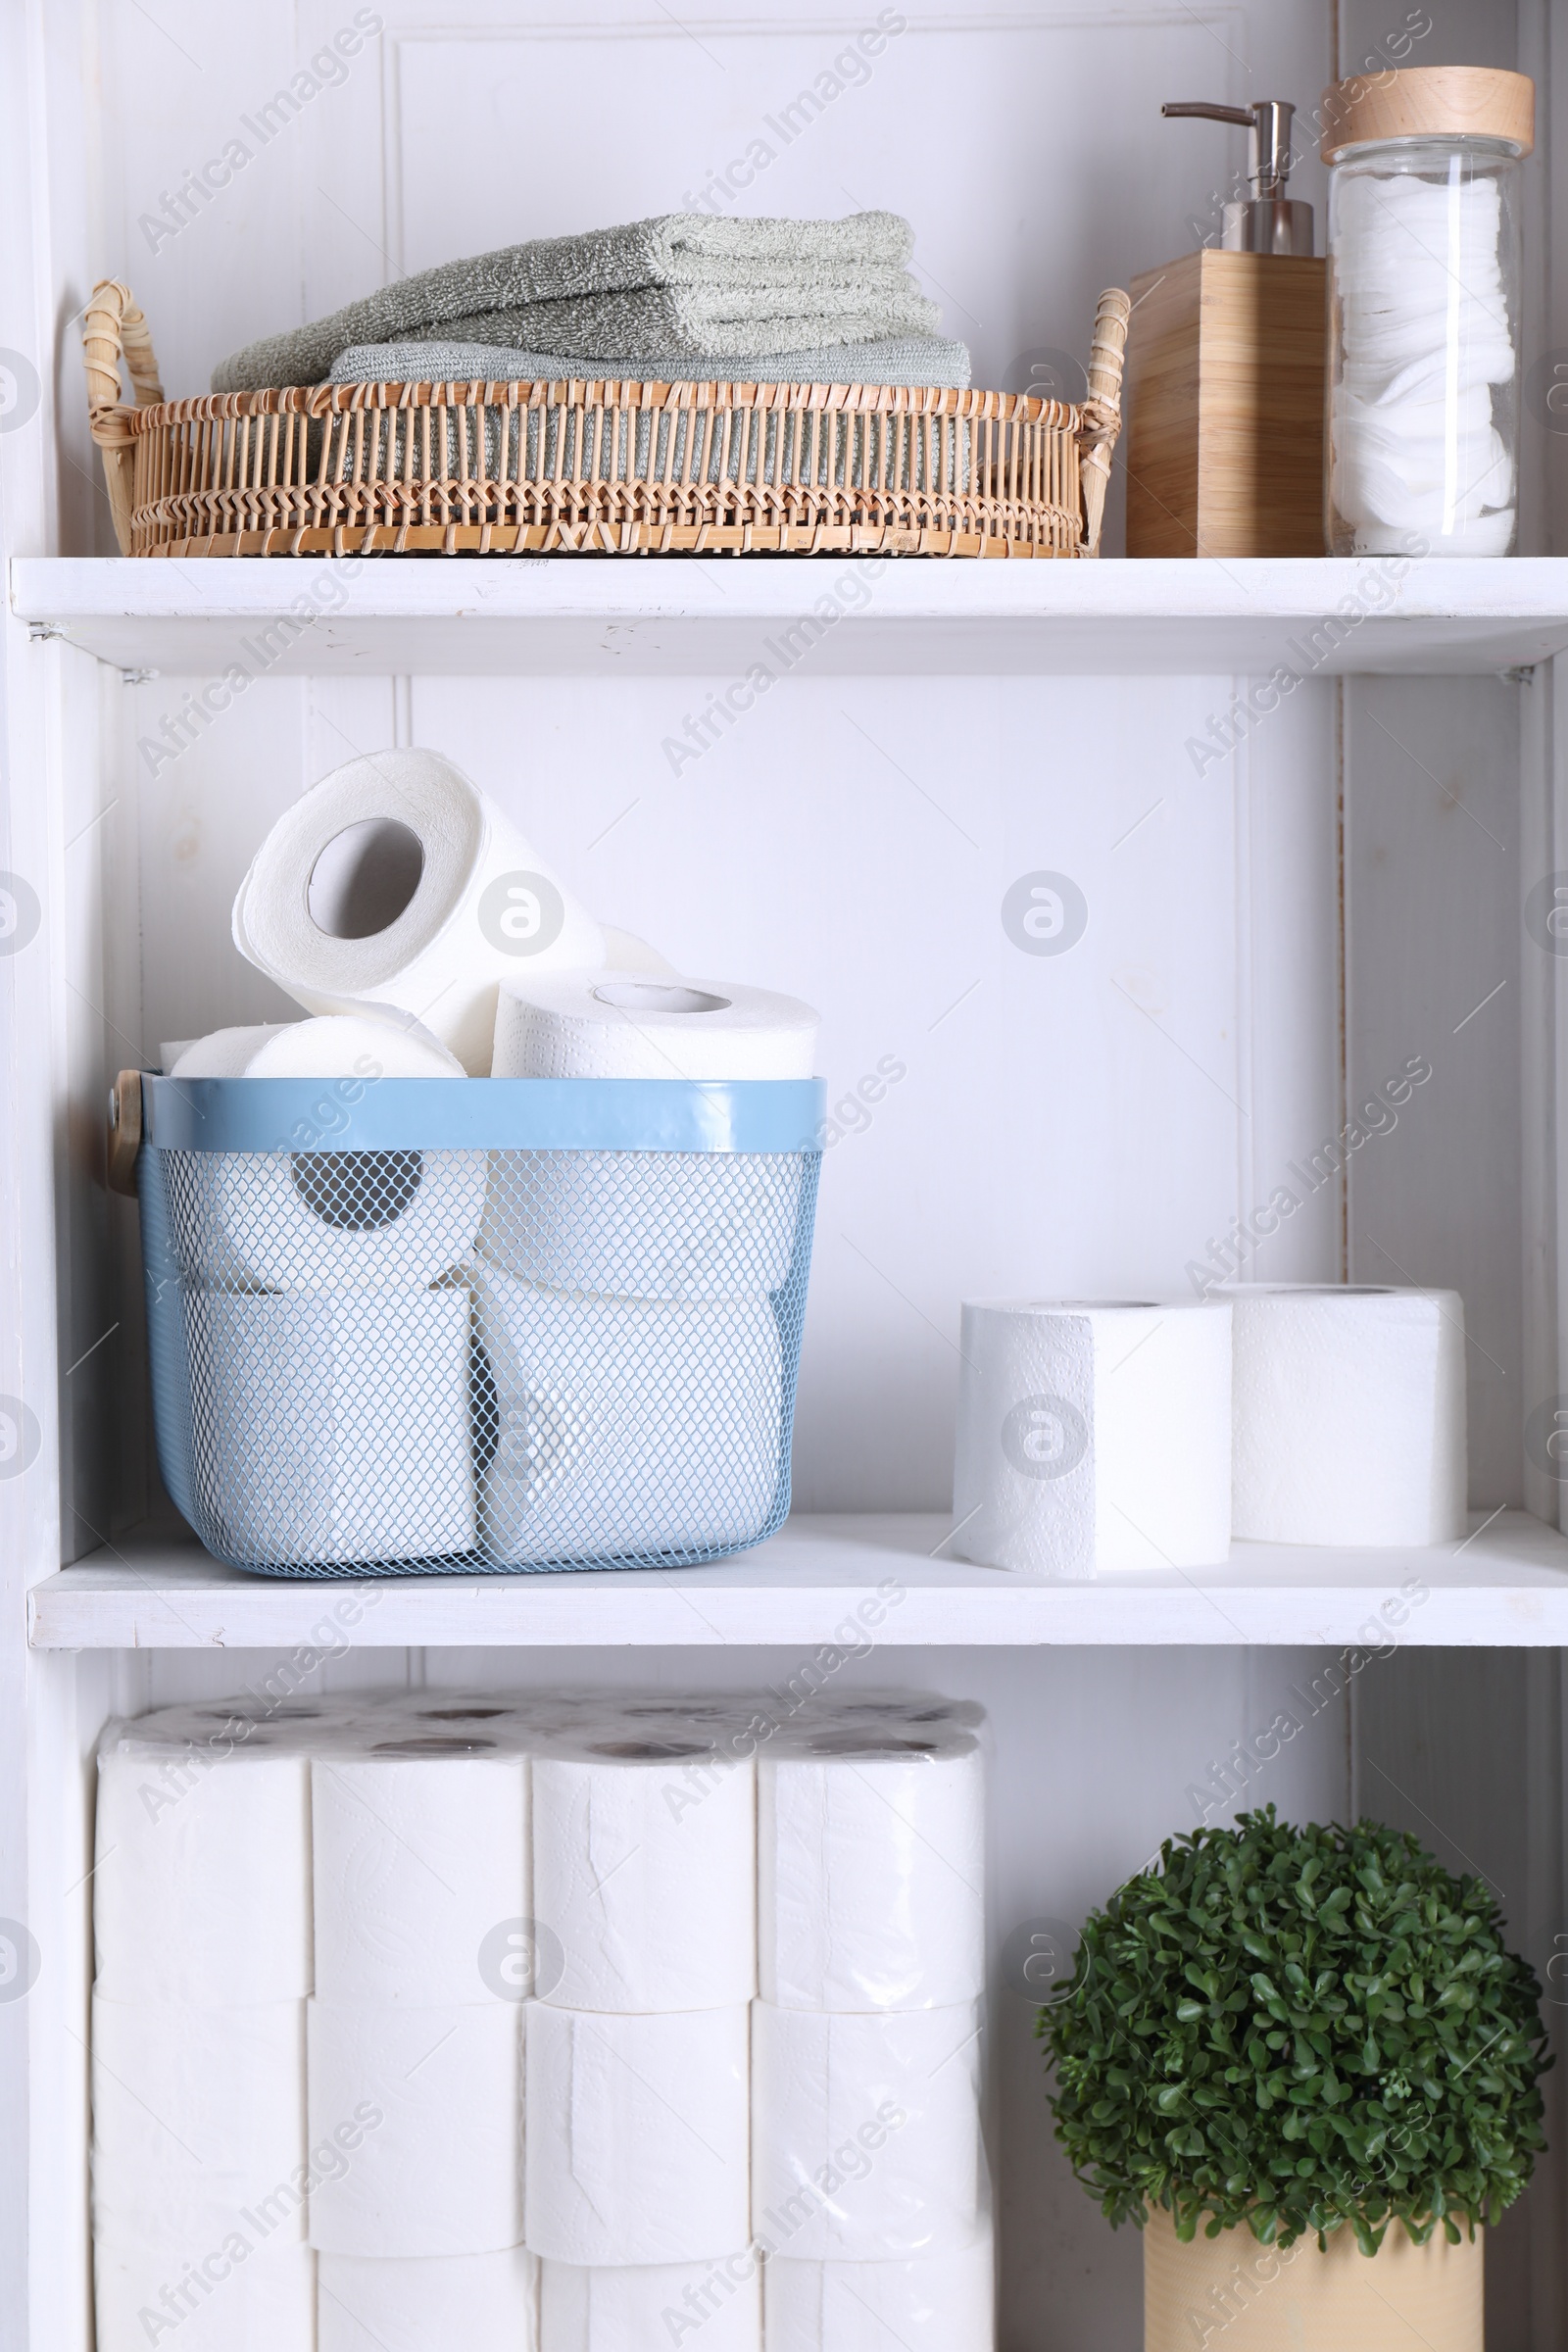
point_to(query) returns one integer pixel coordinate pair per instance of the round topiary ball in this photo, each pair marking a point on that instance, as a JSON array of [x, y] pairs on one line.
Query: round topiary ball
[[1299, 2028]]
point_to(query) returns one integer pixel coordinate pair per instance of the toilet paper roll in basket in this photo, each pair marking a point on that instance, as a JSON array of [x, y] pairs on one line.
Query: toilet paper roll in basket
[[333, 1221], [645, 1866], [1349, 1415], [1094, 1436], [265, 2303], [634, 2308], [420, 1851], [395, 882], [873, 2123], [471, 2302], [871, 1869], [336, 1044], [620, 1024], [936, 2303], [636, 2145], [436, 2094]]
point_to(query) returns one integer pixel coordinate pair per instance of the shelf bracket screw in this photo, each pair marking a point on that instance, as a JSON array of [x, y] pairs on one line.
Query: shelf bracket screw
[[40, 632], [1523, 673]]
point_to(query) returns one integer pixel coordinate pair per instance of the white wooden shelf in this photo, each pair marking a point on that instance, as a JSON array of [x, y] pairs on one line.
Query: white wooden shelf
[[1506, 1586], [624, 615]]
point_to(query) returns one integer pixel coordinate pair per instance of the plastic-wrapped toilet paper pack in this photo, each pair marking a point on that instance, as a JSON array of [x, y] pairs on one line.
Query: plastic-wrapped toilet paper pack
[[202, 1867], [334, 1220], [687, 1224], [218, 2298], [394, 882], [626, 1425], [1094, 1437], [418, 1856], [865, 2133], [333, 1429], [636, 2146], [438, 2093], [871, 1867], [1349, 1415], [337, 1045], [634, 2308], [199, 2116], [643, 1864], [622, 1024], [434, 2303], [936, 2303]]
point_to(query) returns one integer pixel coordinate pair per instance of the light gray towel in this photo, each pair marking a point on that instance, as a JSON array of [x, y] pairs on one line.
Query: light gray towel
[[682, 283], [913, 360]]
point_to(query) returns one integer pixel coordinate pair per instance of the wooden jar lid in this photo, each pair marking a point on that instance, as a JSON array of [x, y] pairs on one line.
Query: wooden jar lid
[[1429, 102]]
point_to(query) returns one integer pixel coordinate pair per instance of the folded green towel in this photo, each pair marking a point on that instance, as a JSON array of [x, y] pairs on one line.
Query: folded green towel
[[684, 283], [913, 360]]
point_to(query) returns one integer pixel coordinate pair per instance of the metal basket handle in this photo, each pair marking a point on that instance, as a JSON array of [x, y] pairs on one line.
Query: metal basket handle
[[113, 329], [1102, 411]]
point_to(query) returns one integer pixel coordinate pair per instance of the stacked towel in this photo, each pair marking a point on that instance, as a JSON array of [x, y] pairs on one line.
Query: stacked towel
[[906, 360], [683, 284]]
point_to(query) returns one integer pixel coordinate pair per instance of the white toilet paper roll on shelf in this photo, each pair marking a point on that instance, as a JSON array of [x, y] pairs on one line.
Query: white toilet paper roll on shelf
[[645, 1866], [456, 2303], [198, 2115], [872, 2125], [202, 1877], [621, 1024], [625, 951], [333, 1428], [261, 2300], [871, 1869], [636, 2146], [937, 2303], [333, 1221], [628, 1425], [1094, 1436], [639, 2306], [395, 882], [1349, 1415], [436, 2095], [659, 1225], [337, 1045], [417, 1857]]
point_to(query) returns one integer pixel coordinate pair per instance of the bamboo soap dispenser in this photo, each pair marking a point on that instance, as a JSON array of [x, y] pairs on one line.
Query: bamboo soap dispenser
[[1226, 362]]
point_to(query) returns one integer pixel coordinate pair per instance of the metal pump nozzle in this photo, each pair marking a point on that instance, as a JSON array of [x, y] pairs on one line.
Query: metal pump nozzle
[[1268, 221]]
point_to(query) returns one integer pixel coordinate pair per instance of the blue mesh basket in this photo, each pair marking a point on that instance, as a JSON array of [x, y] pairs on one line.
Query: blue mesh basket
[[415, 1327]]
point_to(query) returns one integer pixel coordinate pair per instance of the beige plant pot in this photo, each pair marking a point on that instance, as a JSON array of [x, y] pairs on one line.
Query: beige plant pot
[[1230, 2295]]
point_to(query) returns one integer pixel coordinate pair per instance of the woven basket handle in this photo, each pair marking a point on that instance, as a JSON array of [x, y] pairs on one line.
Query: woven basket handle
[[1102, 411], [113, 329]]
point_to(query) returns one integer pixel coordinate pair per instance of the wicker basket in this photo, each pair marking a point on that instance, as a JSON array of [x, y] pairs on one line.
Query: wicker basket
[[518, 468]]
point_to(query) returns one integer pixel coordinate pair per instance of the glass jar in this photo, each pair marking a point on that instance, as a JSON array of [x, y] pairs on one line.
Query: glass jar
[[1423, 278]]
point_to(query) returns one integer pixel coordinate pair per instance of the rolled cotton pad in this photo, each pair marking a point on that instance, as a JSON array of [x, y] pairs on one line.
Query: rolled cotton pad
[[865, 2133], [1094, 1436], [1349, 1415], [436, 2094], [871, 1867], [621, 1024], [644, 1865], [636, 2146], [395, 882]]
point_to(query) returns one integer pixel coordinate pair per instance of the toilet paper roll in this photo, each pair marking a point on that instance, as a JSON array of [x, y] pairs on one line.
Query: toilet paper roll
[[667, 1225], [939, 2303], [333, 1429], [334, 1220], [473, 2302], [337, 1045], [627, 1427], [220, 2298], [202, 1869], [170, 1053], [621, 1024], [1349, 1415], [636, 2147], [199, 2117], [870, 1850], [418, 1858], [625, 951], [394, 882], [645, 1867], [865, 2133], [633, 2309], [1094, 1436], [438, 2095]]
